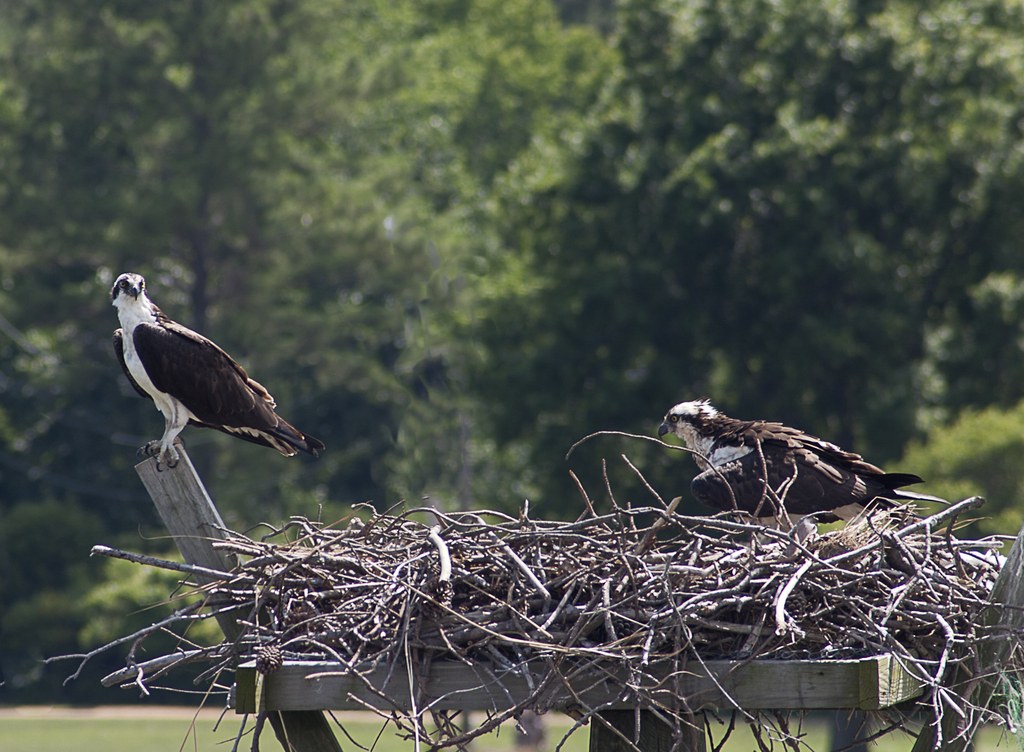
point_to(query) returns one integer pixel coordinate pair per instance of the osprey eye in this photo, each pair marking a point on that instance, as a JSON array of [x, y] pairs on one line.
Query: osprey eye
[[673, 419], [124, 283]]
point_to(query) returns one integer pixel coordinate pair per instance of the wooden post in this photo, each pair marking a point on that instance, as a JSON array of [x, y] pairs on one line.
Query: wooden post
[[192, 519], [1006, 616], [655, 735]]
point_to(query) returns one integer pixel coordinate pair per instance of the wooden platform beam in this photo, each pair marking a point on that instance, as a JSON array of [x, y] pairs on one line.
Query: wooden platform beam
[[864, 684]]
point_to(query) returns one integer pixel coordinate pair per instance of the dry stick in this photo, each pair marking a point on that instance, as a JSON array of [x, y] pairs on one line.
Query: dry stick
[[628, 436], [158, 665], [586, 499], [240, 734], [781, 624], [606, 598], [777, 496], [642, 479], [569, 591], [151, 561], [765, 487], [658, 524], [620, 513], [442, 552], [416, 719], [523, 566], [178, 615]]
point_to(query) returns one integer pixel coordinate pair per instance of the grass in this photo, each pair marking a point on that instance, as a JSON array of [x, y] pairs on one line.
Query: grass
[[130, 730], [88, 733]]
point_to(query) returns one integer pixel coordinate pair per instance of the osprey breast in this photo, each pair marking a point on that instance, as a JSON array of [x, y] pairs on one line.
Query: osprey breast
[[138, 371]]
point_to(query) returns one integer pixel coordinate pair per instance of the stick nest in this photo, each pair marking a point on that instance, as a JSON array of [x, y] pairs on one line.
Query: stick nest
[[634, 589]]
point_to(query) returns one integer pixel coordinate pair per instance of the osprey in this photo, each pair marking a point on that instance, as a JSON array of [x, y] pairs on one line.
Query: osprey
[[804, 474], [192, 380]]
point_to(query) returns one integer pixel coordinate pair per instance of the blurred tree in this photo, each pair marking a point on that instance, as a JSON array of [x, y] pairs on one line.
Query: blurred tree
[[597, 13], [302, 182], [131, 597], [975, 349], [138, 137], [976, 455], [770, 205], [443, 97]]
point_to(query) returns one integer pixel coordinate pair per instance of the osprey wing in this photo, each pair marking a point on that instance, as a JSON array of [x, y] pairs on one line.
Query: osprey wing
[[807, 486], [216, 390], [807, 481], [203, 377], [119, 351], [781, 435]]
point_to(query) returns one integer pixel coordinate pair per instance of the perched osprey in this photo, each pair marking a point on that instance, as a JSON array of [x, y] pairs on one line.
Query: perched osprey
[[805, 474], [192, 380]]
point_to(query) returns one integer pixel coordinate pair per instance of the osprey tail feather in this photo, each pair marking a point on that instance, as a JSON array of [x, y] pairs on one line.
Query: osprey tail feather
[[286, 439]]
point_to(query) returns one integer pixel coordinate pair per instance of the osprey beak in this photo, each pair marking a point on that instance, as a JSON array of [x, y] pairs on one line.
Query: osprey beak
[[663, 429]]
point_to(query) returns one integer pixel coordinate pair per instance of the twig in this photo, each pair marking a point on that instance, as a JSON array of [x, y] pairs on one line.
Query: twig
[[628, 436], [442, 552], [782, 624], [150, 561]]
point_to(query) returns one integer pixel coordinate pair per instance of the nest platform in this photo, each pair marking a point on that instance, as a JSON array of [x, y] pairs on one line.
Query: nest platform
[[422, 615]]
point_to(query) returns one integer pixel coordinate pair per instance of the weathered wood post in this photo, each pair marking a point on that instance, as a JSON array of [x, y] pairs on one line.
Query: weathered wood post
[[655, 735], [1006, 617], [192, 519]]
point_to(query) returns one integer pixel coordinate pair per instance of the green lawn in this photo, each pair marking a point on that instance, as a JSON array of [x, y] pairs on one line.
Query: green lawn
[[94, 734], [162, 735]]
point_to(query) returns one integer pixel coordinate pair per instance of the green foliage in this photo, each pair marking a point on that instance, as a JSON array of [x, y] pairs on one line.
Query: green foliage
[[129, 597], [769, 207], [976, 352], [64, 531], [979, 454], [303, 182]]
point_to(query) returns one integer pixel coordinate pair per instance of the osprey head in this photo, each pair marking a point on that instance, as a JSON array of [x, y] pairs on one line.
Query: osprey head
[[127, 284], [686, 419]]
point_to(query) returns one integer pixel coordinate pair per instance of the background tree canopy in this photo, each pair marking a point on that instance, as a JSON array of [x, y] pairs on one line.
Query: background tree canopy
[[454, 237]]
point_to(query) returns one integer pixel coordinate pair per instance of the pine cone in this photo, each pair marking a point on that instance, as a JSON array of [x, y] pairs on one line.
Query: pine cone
[[797, 604], [442, 593], [269, 659]]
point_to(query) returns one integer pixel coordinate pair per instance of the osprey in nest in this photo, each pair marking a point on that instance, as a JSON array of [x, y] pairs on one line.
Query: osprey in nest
[[805, 475], [192, 381]]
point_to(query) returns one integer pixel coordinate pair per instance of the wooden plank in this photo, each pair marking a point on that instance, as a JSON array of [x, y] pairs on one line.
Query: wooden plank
[[884, 683], [194, 522], [866, 684]]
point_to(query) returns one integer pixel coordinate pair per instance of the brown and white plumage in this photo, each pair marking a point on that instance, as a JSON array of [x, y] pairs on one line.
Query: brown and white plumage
[[192, 380], [805, 475]]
